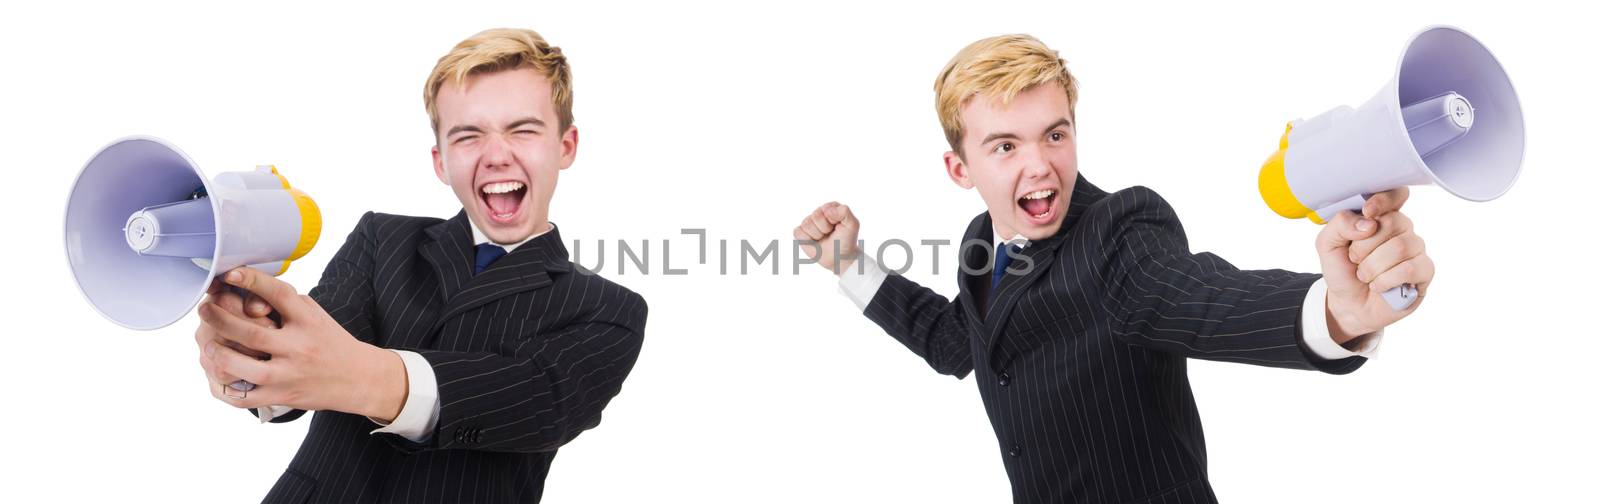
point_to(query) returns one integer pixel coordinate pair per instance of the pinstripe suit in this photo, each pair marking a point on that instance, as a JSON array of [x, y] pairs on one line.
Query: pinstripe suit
[[1081, 361], [526, 355]]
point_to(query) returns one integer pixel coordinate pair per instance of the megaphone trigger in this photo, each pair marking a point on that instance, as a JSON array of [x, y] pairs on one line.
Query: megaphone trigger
[[1401, 297], [242, 386]]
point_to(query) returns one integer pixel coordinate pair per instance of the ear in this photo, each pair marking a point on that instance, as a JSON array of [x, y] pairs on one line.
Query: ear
[[957, 169], [438, 166], [569, 146]]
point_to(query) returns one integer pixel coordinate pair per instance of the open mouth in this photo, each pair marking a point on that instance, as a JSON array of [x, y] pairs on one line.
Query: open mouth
[[503, 200], [1040, 206]]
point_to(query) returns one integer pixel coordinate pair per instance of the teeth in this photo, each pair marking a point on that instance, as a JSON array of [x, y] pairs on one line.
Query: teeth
[[1041, 194], [501, 187]]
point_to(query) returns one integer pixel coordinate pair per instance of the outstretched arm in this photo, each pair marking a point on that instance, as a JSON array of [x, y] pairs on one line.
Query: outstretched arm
[[1163, 296]]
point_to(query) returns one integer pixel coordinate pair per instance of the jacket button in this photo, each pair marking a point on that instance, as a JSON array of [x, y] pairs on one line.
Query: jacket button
[[1015, 451], [1005, 379]]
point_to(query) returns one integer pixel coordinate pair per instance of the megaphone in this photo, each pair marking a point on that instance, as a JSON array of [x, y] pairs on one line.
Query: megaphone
[[146, 231], [1448, 117]]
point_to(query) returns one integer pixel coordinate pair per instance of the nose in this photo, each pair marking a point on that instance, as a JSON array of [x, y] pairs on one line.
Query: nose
[[1035, 165], [496, 154]]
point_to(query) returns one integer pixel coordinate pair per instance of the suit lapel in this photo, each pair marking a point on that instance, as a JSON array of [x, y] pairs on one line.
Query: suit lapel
[[974, 258], [452, 254], [1043, 253], [449, 250], [1012, 287]]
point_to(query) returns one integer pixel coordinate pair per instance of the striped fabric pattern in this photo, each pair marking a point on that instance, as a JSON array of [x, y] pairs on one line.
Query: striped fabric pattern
[[1081, 362], [527, 354]]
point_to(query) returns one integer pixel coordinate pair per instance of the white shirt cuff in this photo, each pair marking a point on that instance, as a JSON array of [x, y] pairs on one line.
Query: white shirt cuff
[[861, 282], [421, 410], [1314, 329], [270, 412]]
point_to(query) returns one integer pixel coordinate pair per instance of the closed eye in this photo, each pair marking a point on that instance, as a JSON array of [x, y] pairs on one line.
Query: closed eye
[[526, 125]]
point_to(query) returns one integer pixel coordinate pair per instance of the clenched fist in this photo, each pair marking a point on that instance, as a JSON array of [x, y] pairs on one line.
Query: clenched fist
[[828, 236], [254, 310], [1364, 255]]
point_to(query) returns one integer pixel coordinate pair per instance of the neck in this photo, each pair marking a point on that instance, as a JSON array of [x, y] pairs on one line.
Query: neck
[[478, 235]]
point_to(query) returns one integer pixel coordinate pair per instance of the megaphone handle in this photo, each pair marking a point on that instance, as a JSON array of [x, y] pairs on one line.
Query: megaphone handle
[[1400, 297], [1352, 204], [242, 385]]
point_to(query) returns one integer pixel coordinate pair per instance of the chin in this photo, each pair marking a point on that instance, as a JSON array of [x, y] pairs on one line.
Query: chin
[[1041, 232], [508, 232]]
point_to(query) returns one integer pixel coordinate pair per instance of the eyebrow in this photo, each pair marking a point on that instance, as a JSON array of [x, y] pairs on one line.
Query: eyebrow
[[514, 125], [526, 121], [1059, 123], [462, 128], [997, 136], [1013, 136]]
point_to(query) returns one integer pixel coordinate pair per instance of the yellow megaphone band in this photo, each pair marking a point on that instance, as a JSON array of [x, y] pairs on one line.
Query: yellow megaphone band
[[310, 222], [1275, 186]]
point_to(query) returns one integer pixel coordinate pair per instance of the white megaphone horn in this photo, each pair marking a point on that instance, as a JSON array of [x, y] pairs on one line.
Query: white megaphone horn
[[1449, 117], [146, 232]]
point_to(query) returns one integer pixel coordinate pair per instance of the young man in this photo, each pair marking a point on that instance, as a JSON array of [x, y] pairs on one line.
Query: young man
[[1079, 336], [448, 359]]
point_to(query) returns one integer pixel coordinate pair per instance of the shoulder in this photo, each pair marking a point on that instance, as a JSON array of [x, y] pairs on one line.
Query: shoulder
[[602, 296], [1128, 210], [1132, 203], [1133, 216], [390, 223], [381, 229]]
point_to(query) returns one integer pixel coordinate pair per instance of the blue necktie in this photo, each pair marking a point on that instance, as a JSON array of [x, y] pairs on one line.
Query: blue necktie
[[487, 253], [1002, 258]]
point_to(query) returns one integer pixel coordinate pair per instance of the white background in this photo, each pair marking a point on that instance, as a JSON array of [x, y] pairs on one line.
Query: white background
[[741, 119]]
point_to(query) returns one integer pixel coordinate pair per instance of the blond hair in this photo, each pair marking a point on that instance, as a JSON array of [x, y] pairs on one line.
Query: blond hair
[[997, 68], [497, 50]]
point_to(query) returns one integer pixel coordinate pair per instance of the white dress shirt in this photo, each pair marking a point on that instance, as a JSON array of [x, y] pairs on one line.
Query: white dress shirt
[[861, 283], [421, 409]]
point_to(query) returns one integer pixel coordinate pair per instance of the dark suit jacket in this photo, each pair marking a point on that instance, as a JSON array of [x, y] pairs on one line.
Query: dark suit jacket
[[526, 355], [1081, 362]]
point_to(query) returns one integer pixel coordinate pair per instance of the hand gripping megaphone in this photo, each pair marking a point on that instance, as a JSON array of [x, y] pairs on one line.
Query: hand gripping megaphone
[[146, 232], [1449, 117]]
